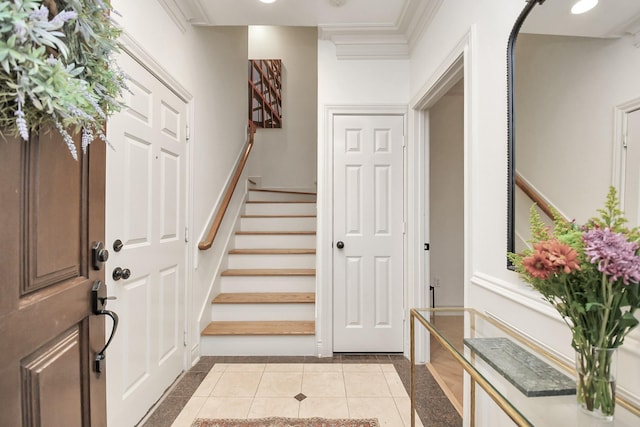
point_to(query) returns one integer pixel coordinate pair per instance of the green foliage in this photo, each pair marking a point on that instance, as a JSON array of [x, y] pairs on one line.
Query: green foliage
[[57, 67]]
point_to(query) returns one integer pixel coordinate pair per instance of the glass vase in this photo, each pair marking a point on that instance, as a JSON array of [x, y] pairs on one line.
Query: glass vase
[[596, 382]]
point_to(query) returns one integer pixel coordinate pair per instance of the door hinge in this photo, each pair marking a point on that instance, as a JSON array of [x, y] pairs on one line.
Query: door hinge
[[188, 132], [186, 234], [624, 142], [404, 227], [184, 335]]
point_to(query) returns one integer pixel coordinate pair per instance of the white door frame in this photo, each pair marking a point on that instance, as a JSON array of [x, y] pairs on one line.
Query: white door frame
[[459, 63], [619, 153], [137, 52], [324, 273]]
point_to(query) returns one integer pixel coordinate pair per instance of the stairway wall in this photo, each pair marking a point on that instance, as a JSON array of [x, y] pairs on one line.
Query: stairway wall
[[287, 156], [211, 262]]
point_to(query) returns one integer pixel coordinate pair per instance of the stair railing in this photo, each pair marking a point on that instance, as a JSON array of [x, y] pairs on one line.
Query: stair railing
[[231, 188], [536, 197]]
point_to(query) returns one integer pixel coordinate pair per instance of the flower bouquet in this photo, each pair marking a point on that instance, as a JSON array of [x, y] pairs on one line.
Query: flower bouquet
[[590, 274]]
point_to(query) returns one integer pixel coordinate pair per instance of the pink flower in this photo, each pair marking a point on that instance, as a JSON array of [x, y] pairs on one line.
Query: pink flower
[[549, 257], [615, 255]]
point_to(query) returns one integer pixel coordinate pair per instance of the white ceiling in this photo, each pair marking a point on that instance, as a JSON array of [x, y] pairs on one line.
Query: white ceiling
[[294, 12], [382, 29]]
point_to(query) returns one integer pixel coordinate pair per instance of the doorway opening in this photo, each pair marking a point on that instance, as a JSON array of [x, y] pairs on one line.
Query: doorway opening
[[443, 125], [445, 198]]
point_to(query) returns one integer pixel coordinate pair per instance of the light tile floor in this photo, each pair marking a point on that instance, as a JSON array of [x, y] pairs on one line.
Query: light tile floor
[[337, 390]]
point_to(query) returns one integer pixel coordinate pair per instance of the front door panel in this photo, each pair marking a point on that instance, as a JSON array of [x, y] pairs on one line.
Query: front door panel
[[52, 209]]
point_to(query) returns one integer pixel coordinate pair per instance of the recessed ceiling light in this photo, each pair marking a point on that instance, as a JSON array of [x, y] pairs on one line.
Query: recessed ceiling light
[[582, 6], [268, 1]]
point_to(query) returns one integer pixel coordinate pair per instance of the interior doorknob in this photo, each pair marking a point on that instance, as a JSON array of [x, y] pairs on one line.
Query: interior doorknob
[[121, 273], [340, 244]]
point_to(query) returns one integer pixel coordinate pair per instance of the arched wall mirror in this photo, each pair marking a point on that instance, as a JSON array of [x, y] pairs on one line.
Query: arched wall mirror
[[574, 111]]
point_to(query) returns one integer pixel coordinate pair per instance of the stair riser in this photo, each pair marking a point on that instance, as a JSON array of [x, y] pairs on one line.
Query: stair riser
[[250, 312], [272, 261], [268, 284], [280, 209], [264, 196], [278, 224], [270, 241], [268, 345]]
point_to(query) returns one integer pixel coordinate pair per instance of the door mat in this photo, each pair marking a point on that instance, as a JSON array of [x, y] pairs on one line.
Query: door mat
[[285, 422]]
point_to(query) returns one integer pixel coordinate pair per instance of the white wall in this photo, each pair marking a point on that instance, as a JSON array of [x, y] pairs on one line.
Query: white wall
[[446, 199], [210, 63], [567, 88], [491, 286], [286, 157]]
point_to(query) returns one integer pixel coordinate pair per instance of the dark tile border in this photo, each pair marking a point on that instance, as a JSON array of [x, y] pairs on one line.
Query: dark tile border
[[433, 407]]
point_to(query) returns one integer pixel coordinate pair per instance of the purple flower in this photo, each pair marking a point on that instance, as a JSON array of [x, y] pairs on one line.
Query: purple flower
[[21, 122], [63, 17], [41, 14], [20, 30], [51, 60], [615, 255], [87, 137]]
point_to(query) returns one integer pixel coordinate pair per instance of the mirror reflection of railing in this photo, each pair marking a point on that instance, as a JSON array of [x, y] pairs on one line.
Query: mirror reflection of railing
[[567, 76], [535, 197], [527, 196]]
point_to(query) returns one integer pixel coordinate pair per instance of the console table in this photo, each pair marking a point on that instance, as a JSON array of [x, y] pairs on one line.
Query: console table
[[529, 384]]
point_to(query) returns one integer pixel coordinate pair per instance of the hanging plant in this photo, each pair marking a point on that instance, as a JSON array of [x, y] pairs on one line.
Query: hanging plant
[[57, 67]]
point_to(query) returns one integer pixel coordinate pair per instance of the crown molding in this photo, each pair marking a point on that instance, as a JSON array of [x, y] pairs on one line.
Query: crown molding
[[375, 46], [172, 9], [416, 17], [382, 41], [192, 11]]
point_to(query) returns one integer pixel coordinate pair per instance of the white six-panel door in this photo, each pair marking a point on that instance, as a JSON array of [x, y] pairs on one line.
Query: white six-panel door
[[368, 222], [146, 177]]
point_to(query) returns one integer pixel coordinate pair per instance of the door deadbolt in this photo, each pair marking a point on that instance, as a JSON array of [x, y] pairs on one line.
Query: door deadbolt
[[99, 255], [117, 245], [121, 273]]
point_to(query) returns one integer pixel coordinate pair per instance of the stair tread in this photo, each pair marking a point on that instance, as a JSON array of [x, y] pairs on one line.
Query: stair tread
[[279, 201], [277, 216], [265, 298], [267, 233], [270, 272], [267, 190], [306, 327], [272, 251]]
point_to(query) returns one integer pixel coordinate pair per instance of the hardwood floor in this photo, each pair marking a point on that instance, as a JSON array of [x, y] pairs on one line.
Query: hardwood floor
[[443, 367]]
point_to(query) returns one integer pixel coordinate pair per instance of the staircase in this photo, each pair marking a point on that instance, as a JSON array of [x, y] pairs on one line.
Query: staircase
[[267, 302]]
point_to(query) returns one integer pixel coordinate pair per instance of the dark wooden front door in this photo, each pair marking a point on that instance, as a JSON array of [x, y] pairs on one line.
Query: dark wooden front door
[[51, 211]]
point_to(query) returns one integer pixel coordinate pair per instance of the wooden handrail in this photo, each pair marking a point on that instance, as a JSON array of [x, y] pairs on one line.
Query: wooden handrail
[[217, 221], [537, 198]]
